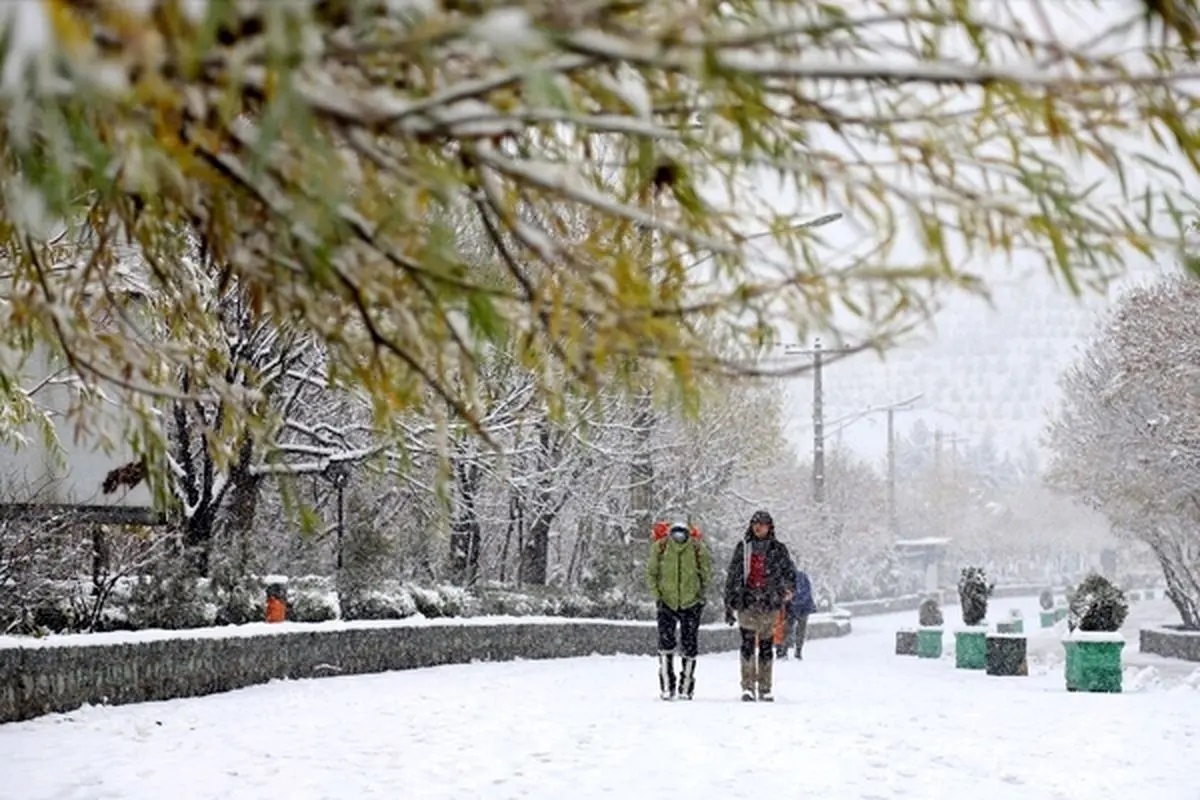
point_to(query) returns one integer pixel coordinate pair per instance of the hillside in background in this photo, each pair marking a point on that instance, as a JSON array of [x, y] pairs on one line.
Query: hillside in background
[[988, 374]]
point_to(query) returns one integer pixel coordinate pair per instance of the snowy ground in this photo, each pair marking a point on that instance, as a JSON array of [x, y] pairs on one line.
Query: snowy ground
[[851, 721]]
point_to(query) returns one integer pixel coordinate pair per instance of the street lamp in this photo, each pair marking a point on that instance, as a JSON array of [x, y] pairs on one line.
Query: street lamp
[[338, 474]]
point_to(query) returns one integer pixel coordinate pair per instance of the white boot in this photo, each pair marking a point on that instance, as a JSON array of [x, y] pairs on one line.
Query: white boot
[[687, 678], [666, 675]]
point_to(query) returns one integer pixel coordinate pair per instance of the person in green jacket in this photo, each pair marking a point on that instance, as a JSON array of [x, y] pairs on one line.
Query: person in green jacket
[[678, 572]]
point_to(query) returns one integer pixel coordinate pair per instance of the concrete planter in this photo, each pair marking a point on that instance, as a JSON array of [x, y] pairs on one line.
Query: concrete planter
[[1171, 641], [1006, 654], [1093, 661], [929, 642], [906, 643], [970, 647]]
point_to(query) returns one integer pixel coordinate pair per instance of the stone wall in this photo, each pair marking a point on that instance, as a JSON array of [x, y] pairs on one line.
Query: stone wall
[[910, 602], [1171, 642], [46, 677]]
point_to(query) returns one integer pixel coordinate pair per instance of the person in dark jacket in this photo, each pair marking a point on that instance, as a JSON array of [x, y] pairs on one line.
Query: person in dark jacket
[[759, 583], [792, 625]]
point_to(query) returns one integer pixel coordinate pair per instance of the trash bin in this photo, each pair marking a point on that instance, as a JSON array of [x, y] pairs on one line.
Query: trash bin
[[276, 602]]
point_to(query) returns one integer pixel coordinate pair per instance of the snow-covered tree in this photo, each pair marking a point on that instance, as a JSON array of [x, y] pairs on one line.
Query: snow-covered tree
[[1126, 439]]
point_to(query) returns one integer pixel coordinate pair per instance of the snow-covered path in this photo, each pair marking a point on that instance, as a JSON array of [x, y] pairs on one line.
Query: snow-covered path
[[851, 721]]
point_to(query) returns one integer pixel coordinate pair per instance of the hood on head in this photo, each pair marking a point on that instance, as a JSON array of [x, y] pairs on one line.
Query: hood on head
[[761, 516]]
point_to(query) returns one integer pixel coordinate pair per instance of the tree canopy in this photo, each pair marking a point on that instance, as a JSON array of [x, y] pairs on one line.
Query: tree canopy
[[321, 159]]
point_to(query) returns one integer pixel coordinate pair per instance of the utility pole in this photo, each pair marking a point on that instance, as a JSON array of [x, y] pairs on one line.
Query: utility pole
[[893, 519], [818, 351], [892, 408], [818, 428]]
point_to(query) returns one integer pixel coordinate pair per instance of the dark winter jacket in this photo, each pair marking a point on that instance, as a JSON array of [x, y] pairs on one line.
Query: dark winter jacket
[[774, 569], [802, 601]]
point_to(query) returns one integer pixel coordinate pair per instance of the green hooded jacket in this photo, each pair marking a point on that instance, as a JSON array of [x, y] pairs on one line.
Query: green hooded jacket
[[679, 574]]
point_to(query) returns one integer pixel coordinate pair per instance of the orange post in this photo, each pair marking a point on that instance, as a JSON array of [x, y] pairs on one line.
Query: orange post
[[276, 610], [276, 603], [778, 637]]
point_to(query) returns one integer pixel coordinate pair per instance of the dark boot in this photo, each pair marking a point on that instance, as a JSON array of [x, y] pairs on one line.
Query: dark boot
[[687, 678], [766, 662], [666, 675]]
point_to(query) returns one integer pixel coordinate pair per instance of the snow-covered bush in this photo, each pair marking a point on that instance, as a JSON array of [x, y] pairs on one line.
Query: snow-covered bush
[[1046, 599], [929, 613], [312, 599], [239, 602], [389, 601], [973, 593], [1097, 605], [169, 599]]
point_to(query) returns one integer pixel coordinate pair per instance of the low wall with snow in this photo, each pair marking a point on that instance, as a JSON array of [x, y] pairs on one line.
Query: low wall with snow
[[1171, 642], [62, 673], [910, 602]]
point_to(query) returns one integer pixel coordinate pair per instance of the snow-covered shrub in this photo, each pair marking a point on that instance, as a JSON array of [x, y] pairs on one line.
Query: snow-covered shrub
[[429, 601], [169, 598], [617, 604], [929, 613], [504, 603], [390, 601], [578, 605], [973, 593], [311, 598], [1046, 599], [457, 601], [1097, 605], [239, 602]]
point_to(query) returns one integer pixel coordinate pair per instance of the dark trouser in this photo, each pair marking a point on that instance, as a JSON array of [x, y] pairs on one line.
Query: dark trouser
[[801, 632], [794, 631], [757, 661], [688, 620]]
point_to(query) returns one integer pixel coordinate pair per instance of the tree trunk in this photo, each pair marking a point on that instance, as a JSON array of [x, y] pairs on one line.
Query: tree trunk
[[514, 510], [535, 552], [465, 530], [641, 471], [100, 557], [1183, 587], [535, 555], [237, 519], [579, 551]]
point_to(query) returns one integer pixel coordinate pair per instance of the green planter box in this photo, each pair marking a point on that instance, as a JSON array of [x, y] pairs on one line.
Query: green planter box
[[1048, 618], [929, 642], [1006, 654], [970, 649], [1093, 661], [1148, 594], [1060, 613]]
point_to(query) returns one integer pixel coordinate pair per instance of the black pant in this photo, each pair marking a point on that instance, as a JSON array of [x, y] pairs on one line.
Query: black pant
[[688, 620]]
